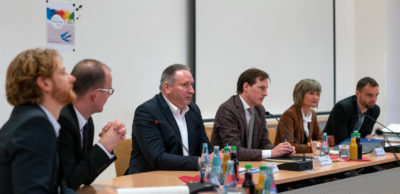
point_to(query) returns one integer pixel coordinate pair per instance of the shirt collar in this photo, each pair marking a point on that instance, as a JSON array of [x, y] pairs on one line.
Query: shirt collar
[[307, 117], [81, 120], [245, 105], [53, 121], [359, 111], [175, 110]]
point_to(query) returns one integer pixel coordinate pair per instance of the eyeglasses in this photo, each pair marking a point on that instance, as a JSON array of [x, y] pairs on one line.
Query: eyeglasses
[[109, 91]]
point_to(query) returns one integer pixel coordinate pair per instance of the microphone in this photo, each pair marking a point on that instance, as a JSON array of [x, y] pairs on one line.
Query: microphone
[[382, 125], [394, 149], [297, 165], [380, 132], [158, 122]]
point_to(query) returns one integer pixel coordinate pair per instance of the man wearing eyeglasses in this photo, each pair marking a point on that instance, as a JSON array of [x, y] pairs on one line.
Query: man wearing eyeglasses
[[81, 160]]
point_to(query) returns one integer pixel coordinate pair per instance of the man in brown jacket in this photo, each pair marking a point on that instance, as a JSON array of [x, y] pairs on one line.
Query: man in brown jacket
[[240, 121]]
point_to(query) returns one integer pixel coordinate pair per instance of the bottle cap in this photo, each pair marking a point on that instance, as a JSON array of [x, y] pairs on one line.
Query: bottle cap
[[247, 166], [263, 167], [226, 149], [233, 148]]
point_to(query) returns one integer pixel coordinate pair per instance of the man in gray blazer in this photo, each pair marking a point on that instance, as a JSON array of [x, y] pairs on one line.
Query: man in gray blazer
[[240, 121]]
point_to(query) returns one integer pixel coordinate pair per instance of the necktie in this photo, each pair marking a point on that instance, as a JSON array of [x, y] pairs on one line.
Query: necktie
[[85, 133], [251, 128]]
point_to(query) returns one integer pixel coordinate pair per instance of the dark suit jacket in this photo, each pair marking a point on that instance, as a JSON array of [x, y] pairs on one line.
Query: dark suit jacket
[[230, 128], [154, 146], [29, 160], [344, 116], [78, 168], [292, 119]]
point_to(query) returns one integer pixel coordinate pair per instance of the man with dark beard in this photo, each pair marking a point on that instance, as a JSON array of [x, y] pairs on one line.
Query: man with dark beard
[[81, 160], [38, 86], [350, 113]]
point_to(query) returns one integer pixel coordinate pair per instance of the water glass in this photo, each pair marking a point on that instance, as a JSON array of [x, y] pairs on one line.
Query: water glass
[[344, 151], [316, 149], [205, 171]]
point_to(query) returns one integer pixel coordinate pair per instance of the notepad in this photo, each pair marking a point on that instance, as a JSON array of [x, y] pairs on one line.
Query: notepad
[[394, 127]]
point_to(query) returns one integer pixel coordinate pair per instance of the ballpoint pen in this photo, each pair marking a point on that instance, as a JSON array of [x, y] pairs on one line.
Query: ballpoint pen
[[284, 138]]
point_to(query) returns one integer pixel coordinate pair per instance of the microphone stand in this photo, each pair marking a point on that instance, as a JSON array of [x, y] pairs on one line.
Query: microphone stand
[[380, 132], [157, 122], [394, 149], [296, 165]]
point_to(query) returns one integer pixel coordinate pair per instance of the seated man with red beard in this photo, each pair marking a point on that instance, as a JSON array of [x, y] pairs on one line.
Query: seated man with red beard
[[81, 160], [38, 86]]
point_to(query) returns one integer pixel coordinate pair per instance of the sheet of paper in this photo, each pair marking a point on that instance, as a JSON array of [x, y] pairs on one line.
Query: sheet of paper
[[394, 127], [150, 190]]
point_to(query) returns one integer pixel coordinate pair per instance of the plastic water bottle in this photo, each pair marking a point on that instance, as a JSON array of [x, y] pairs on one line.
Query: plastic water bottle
[[216, 170], [230, 179], [261, 179], [325, 145], [269, 186], [204, 161], [225, 160]]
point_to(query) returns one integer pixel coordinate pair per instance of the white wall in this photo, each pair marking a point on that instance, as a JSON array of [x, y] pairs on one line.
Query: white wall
[[393, 61], [136, 38], [291, 40], [142, 37], [361, 47], [345, 83], [370, 46]]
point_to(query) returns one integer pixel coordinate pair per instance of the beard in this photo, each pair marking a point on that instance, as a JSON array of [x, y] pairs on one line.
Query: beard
[[64, 96], [368, 106]]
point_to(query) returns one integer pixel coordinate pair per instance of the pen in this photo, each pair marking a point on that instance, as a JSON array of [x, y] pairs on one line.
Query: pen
[[284, 138]]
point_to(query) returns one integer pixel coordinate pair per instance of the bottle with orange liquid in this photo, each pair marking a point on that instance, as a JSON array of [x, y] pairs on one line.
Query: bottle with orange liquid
[[226, 158], [261, 180], [353, 148]]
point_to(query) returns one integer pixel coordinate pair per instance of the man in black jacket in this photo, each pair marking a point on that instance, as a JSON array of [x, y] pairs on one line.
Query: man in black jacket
[[82, 161], [168, 130], [353, 113], [38, 87]]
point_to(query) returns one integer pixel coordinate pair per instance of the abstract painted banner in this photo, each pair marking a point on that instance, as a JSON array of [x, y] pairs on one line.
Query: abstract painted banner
[[60, 21]]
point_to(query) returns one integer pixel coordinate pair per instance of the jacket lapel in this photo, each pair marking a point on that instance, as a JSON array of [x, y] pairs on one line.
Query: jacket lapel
[[242, 118], [75, 124], [168, 115], [301, 127]]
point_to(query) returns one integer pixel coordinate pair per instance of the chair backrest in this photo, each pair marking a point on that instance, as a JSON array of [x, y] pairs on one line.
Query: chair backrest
[[209, 129], [123, 153], [271, 134]]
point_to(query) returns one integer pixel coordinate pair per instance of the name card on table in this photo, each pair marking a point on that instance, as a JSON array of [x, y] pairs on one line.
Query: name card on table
[[324, 160], [378, 152]]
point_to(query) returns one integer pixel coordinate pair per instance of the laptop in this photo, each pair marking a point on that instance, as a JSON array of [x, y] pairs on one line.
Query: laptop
[[367, 144]]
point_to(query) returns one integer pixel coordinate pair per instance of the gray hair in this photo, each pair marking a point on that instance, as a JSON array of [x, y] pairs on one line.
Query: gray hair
[[302, 87], [168, 74]]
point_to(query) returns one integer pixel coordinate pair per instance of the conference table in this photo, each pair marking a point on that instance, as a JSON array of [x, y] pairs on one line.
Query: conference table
[[171, 178]]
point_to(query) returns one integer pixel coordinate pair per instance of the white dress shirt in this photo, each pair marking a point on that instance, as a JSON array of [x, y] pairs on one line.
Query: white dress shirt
[[82, 122], [53, 121], [306, 119], [264, 153], [181, 121]]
